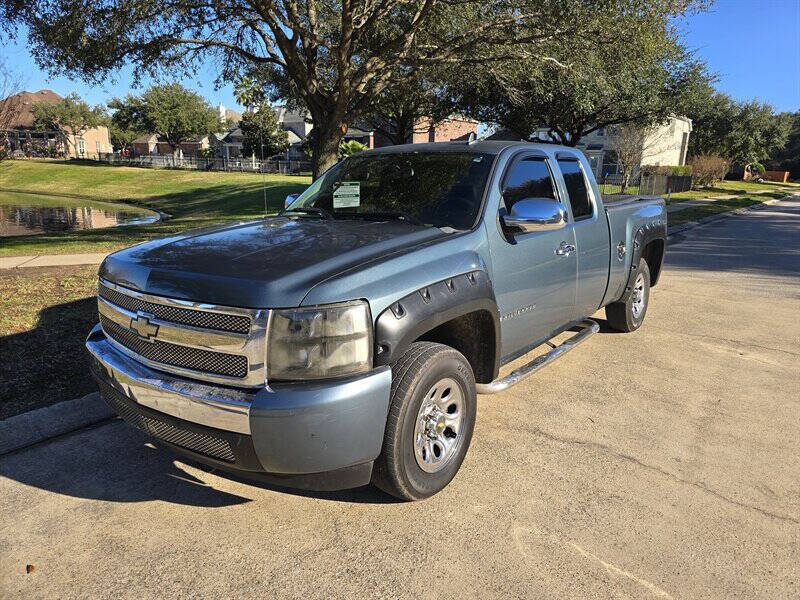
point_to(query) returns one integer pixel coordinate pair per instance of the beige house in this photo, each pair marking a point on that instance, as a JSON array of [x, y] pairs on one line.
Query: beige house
[[665, 145], [23, 137]]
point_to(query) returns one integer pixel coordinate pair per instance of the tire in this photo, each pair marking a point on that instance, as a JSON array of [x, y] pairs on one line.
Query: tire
[[629, 315], [410, 467]]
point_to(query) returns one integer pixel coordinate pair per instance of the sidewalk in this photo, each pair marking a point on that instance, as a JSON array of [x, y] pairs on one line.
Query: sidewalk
[[684, 204], [52, 260]]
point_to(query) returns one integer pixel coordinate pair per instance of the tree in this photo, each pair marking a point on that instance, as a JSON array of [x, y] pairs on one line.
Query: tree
[[642, 78], [10, 104], [410, 107], [788, 158], [122, 138], [261, 135], [742, 132], [632, 143], [756, 132], [70, 116], [712, 115], [170, 111], [334, 56], [351, 147]]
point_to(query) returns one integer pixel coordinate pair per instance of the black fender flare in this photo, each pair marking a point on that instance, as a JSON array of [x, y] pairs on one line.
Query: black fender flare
[[407, 319], [657, 230]]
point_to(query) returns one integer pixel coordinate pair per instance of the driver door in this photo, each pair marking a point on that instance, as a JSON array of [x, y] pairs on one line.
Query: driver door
[[534, 279]]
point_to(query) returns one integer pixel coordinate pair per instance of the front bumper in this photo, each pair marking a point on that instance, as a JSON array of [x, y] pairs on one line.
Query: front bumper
[[320, 435]]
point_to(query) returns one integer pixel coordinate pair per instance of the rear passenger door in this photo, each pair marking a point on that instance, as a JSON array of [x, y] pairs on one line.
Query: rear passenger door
[[534, 286], [591, 235]]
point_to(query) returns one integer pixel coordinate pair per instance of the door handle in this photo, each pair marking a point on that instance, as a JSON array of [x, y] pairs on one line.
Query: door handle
[[565, 249]]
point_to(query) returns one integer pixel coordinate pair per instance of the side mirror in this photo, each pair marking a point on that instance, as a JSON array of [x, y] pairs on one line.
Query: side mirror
[[290, 198], [536, 214]]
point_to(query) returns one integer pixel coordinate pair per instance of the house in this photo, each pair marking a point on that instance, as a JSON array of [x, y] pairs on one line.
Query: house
[[23, 136], [228, 116], [455, 127], [665, 145], [151, 144]]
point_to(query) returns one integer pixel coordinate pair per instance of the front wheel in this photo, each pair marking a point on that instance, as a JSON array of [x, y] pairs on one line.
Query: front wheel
[[629, 315], [430, 423]]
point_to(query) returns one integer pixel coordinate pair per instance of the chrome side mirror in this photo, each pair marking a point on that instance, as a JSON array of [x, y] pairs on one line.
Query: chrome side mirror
[[536, 214], [290, 198]]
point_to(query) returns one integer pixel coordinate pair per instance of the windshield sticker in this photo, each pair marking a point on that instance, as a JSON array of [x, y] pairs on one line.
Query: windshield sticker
[[347, 195]]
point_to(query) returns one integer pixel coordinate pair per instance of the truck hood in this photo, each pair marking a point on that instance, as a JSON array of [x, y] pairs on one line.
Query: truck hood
[[269, 263]]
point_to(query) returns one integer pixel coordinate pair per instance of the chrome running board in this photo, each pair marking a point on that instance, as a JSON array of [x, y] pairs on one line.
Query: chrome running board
[[588, 328]]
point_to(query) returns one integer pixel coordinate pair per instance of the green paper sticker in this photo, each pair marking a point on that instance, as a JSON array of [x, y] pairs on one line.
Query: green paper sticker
[[347, 195]]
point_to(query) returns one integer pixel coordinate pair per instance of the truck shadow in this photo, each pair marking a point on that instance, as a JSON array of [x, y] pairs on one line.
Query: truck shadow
[[115, 463]]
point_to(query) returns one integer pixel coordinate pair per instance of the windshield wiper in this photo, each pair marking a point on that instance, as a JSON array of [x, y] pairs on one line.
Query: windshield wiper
[[400, 215], [309, 210]]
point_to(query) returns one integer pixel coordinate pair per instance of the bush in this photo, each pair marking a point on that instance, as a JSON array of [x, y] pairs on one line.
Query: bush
[[757, 168], [707, 169], [669, 170], [350, 147]]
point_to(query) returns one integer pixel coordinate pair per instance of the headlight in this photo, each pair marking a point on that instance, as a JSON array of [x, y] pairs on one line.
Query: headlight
[[320, 341]]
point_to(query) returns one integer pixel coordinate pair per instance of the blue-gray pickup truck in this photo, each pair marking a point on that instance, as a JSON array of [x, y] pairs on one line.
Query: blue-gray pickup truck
[[345, 340]]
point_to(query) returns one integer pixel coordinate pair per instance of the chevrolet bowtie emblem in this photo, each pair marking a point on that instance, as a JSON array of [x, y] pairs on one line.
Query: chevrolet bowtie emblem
[[142, 325]]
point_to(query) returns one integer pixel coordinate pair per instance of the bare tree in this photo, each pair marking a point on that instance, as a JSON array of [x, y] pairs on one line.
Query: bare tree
[[10, 105], [632, 143]]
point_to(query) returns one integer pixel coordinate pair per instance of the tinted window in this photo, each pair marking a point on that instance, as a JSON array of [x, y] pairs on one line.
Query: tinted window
[[443, 189], [576, 188], [529, 178]]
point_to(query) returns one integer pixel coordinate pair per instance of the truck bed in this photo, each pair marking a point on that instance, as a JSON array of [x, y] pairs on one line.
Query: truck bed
[[626, 216]]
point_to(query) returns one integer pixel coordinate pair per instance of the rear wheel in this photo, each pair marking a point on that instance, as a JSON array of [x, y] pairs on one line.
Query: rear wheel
[[629, 315], [430, 423]]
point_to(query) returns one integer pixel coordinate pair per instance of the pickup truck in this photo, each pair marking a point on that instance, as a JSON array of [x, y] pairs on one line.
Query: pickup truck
[[345, 340]]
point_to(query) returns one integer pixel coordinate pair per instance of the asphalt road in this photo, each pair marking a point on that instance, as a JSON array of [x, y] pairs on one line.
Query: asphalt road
[[664, 463]]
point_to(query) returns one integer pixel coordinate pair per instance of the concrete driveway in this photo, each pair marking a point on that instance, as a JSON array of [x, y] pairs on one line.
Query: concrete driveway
[[664, 463]]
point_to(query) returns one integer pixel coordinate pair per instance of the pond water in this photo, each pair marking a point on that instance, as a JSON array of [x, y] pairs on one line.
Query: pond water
[[29, 214]]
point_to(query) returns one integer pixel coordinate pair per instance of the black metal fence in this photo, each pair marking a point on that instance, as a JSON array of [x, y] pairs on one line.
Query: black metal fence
[[244, 165], [646, 184]]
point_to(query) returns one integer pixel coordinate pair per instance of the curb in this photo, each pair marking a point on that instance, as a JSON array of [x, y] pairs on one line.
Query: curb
[[36, 426], [671, 231]]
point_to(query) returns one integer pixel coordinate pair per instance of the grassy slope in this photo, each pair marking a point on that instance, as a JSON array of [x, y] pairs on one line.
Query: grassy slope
[[194, 199]]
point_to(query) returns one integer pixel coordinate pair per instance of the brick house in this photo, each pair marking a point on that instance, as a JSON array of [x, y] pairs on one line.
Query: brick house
[[455, 127], [23, 136]]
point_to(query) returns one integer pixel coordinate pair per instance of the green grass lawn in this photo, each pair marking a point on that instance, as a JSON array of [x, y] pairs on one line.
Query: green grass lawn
[[192, 198], [723, 188], [693, 213], [45, 315]]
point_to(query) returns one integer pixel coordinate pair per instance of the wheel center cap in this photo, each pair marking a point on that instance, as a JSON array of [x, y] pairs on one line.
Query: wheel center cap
[[435, 424], [440, 425]]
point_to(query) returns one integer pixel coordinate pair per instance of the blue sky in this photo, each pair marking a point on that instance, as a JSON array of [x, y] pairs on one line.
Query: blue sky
[[754, 47]]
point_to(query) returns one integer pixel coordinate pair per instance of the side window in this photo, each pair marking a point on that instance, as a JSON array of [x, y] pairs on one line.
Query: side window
[[576, 188], [529, 178]]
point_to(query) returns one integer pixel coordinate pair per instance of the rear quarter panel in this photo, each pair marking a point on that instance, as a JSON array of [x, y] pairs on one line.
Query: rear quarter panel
[[633, 224]]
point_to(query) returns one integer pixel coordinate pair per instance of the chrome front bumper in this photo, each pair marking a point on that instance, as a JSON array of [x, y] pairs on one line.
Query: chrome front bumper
[[213, 406], [295, 428]]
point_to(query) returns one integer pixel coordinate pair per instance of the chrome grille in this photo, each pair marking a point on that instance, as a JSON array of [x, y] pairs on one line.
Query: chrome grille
[[207, 445], [214, 343], [165, 353], [196, 318]]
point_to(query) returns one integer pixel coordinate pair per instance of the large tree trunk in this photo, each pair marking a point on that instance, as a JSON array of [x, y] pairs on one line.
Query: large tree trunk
[[325, 145]]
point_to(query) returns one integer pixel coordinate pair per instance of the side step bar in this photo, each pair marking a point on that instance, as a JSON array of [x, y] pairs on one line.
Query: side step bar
[[588, 328]]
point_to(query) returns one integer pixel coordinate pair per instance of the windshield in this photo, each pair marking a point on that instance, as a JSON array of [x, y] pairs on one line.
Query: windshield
[[442, 189]]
